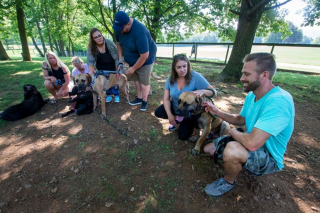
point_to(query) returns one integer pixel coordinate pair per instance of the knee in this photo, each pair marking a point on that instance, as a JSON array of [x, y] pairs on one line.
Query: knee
[[209, 149], [48, 84], [233, 151]]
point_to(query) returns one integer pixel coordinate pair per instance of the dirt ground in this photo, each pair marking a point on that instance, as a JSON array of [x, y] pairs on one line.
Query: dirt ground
[[132, 163]]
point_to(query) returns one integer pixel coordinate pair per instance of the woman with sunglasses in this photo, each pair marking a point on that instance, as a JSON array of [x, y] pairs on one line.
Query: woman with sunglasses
[[102, 54], [182, 79]]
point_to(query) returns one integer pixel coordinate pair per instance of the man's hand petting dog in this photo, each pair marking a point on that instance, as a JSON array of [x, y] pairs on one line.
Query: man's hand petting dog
[[210, 107]]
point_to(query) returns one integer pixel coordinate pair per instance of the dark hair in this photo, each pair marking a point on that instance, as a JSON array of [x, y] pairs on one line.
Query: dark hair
[[264, 62], [92, 44], [174, 74]]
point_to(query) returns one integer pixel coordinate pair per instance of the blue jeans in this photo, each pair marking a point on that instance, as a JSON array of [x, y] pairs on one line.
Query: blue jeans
[[112, 90]]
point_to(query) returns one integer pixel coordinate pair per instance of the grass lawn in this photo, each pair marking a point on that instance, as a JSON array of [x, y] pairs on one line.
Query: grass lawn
[[16, 73]]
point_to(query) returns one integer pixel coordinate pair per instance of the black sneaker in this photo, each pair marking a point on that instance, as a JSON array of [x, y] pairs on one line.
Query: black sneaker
[[144, 106], [136, 102]]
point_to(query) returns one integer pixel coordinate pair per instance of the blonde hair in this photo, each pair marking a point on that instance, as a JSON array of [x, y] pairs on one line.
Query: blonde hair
[[76, 60], [59, 62]]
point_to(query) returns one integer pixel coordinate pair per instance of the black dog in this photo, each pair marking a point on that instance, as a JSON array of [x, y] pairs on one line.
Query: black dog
[[83, 101], [32, 102]]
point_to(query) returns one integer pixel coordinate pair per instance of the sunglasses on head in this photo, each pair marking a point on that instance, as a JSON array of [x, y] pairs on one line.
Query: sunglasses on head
[[98, 36]]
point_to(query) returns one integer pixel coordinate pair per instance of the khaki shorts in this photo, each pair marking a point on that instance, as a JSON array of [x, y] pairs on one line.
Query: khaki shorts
[[142, 74]]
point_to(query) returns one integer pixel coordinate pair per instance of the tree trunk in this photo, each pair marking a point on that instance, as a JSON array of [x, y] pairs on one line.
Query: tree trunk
[[71, 42], [22, 32], [3, 53], [57, 47], [247, 26], [36, 46], [50, 42], [61, 47], [41, 38]]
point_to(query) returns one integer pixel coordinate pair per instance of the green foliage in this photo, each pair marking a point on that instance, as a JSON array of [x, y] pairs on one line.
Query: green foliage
[[302, 87], [311, 13], [316, 40], [19, 73]]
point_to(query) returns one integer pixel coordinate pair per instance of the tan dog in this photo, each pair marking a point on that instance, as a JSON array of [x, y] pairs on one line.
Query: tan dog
[[190, 105], [98, 87]]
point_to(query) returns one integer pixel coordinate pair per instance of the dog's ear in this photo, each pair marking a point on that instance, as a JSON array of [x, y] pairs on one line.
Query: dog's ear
[[89, 78], [199, 100]]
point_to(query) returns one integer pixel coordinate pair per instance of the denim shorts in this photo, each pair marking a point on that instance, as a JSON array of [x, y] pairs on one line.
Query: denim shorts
[[142, 74], [259, 162]]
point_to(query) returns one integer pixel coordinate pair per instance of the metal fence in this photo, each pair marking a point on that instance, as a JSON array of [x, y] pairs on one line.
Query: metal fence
[[292, 57]]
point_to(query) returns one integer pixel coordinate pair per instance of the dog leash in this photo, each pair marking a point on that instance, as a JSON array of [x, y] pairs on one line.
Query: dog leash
[[117, 128]]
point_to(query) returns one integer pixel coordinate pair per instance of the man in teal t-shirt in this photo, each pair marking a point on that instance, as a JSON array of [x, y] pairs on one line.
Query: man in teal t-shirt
[[268, 114]]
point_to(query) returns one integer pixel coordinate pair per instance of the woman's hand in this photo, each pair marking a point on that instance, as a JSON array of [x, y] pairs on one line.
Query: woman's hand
[[53, 79], [172, 120], [92, 69], [199, 92]]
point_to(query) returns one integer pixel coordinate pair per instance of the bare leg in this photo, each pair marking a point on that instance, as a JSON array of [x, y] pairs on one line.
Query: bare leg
[[210, 148], [145, 91], [63, 92], [234, 156], [50, 87], [138, 88]]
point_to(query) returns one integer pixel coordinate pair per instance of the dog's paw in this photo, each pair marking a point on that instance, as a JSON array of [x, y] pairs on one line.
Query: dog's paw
[[103, 116], [195, 151]]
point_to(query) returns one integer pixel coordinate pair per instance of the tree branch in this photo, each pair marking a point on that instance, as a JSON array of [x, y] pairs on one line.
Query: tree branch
[[278, 5], [145, 12], [235, 12], [258, 6]]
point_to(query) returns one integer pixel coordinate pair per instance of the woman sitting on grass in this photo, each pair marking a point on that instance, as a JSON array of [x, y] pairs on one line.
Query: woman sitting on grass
[[56, 76], [181, 79]]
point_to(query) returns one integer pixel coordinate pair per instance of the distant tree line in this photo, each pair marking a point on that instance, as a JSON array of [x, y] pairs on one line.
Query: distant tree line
[[63, 25]]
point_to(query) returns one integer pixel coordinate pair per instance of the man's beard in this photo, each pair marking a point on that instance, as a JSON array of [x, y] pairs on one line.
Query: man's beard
[[252, 86]]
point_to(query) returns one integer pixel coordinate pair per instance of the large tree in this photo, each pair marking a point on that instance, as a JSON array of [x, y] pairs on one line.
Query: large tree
[[3, 13], [22, 32], [249, 17], [3, 53]]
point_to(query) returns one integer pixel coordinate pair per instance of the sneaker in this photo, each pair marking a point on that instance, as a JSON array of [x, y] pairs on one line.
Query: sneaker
[[109, 98], [136, 102], [117, 99], [218, 187], [144, 106], [172, 128]]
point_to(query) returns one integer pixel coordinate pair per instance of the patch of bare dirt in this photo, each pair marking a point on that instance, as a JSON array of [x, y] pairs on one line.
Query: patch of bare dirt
[[134, 164]]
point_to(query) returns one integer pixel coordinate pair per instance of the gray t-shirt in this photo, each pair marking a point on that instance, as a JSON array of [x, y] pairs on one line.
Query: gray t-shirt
[[197, 82]]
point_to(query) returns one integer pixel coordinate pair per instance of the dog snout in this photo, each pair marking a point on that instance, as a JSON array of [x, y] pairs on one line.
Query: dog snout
[[81, 86]]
